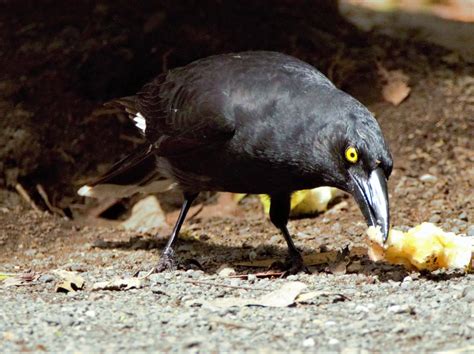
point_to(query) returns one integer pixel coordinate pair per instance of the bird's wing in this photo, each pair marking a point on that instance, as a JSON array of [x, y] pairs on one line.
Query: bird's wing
[[181, 116]]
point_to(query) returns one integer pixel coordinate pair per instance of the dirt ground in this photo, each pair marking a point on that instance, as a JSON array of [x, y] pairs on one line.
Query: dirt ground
[[430, 132]]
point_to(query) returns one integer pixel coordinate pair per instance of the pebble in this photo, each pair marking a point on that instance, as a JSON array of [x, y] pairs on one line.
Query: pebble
[[226, 271], [463, 216], [46, 278], [468, 294], [427, 178], [251, 278], [470, 230], [309, 342], [435, 219], [399, 309], [252, 255]]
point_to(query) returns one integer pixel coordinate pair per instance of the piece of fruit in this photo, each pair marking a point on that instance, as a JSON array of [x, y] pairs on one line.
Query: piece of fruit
[[306, 202], [423, 247]]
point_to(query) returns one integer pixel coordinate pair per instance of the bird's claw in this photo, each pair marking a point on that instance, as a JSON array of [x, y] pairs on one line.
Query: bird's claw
[[167, 262], [293, 264]]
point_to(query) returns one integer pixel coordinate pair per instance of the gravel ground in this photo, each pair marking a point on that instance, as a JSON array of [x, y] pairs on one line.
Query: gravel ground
[[355, 313]]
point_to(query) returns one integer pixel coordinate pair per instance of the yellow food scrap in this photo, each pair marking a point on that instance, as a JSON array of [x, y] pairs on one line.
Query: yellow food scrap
[[306, 202], [425, 246]]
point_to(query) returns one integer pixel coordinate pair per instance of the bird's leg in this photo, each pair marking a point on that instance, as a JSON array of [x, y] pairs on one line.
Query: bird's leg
[[279, 214], [168, 259]]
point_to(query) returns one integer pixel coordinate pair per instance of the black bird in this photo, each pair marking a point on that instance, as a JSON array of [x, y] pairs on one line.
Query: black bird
[[252, 122]]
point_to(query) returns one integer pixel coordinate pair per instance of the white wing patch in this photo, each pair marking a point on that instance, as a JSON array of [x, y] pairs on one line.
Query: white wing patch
[[140, 122]]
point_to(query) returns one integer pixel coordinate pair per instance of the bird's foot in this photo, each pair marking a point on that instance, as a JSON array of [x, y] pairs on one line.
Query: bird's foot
[[293, 264], [167, 262]]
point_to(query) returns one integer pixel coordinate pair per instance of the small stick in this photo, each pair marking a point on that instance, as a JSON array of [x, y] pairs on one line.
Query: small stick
[[24, 194], [232, 324], [197, 212], [259, 275], [200, 282], [46, 201]]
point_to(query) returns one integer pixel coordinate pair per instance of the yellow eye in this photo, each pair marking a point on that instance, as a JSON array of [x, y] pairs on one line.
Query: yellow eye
[[351, 154]]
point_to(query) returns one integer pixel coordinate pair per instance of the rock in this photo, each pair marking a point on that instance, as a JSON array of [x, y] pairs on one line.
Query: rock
[[252, 255], [468, 294], [399, 309], [463, 216], [309, 342], [225, 271], [470, 230], [46, 278], [435, 219], [251, 278], [427, 178], [146, 216]]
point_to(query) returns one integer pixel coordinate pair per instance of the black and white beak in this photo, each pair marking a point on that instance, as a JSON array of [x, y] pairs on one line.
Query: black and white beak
[[372, 196]]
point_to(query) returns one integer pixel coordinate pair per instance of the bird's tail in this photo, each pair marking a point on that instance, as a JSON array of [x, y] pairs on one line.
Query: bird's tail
[[136, 173]]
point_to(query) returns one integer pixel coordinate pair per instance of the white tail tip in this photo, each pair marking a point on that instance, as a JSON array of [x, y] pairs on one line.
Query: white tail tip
[[140, 122], [85, 191]]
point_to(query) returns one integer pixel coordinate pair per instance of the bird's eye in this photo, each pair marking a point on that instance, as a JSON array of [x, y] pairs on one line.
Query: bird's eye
[[351, 154]]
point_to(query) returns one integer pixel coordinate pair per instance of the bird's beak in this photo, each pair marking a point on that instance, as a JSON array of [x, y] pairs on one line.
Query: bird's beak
[[372, 196]]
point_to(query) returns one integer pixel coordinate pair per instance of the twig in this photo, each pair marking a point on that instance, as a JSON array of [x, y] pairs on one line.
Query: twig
[[200, 282], [231, 324], [196, 213], [46, 201], [24, 194], [259, 275]]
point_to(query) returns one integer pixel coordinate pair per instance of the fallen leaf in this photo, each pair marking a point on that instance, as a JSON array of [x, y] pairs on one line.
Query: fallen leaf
[[19, 279], [71, 281], [395, 89], [119, 284], [283, 297], [309, 260], [4, 276], [146, 216]]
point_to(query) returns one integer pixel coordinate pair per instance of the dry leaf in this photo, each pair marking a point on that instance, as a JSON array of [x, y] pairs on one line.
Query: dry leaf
[[71, 281], [19, 279], [146, 216], [5, 276], [283, 297], [118, 284], [309, 260], [395, 89]]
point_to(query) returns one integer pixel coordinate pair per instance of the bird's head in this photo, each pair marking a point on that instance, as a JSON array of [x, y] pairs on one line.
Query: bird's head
[[357, 158]]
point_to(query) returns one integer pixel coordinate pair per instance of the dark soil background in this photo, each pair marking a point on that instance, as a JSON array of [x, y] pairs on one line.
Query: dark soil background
[[60, 61]]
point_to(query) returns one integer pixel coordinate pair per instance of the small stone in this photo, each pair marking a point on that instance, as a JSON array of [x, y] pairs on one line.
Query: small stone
[[46, 278], [468, 294], [354, 267], [470, 230], [252, 256], [309, 342], [30, 253], [333, 341], [463, 216], [156, 278], [225, 271], [427, 178], [90, 313], [435, 219], [361, 308], [251, 278], [292, 277], [398, 309]]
